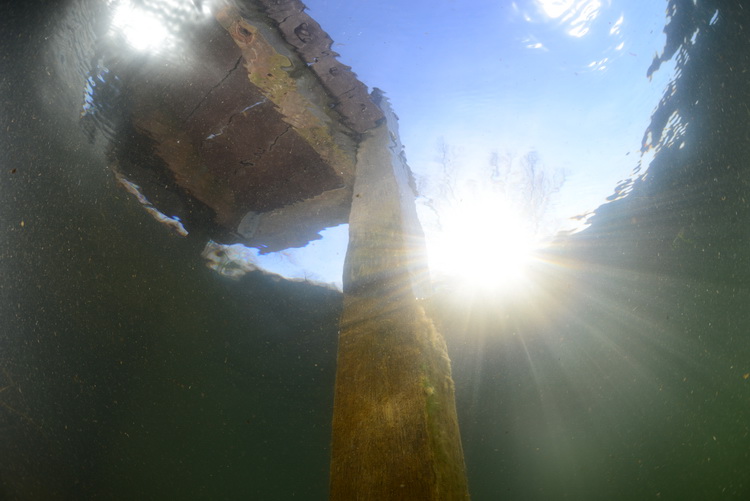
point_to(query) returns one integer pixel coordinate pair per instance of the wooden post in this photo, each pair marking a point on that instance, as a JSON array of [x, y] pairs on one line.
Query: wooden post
[[395, 429]]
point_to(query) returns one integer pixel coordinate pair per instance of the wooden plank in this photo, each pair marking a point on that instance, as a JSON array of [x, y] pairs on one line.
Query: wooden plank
[[395, 428]]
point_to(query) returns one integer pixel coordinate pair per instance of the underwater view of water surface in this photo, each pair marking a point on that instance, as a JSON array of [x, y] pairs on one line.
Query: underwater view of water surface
[[171, 291]]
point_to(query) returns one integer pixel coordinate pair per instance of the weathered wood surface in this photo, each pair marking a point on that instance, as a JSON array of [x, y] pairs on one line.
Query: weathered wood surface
[[246, 131], [314, 47], [395, 429]]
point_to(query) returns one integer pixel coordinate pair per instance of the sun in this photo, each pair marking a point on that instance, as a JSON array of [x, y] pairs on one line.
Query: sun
[[142, 30], [483, 243]]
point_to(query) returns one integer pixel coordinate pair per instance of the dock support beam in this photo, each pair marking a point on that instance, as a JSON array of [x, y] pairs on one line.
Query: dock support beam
[[395, 428]]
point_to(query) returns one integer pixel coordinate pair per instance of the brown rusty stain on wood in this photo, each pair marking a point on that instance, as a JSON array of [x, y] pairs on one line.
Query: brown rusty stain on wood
[[244, 126], [395, 430]]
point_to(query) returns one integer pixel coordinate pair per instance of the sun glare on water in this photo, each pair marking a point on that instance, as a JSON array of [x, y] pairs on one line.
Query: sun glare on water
[[483, 244]]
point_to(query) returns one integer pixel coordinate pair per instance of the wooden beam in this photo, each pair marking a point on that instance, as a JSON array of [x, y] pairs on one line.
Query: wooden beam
[[395, 428]]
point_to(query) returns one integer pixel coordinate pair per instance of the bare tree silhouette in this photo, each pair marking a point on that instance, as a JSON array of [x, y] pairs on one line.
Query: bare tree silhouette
[[526, 183], [539, 184]]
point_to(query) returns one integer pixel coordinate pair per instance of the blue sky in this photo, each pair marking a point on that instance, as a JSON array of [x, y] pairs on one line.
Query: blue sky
[[566, 78], [468, 73]]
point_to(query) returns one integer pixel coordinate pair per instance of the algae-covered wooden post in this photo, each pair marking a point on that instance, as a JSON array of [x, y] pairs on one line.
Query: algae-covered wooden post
[[395, 429]]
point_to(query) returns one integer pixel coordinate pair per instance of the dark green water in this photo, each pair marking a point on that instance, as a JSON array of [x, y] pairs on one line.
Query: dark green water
[[131, 371], [628, 376]]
